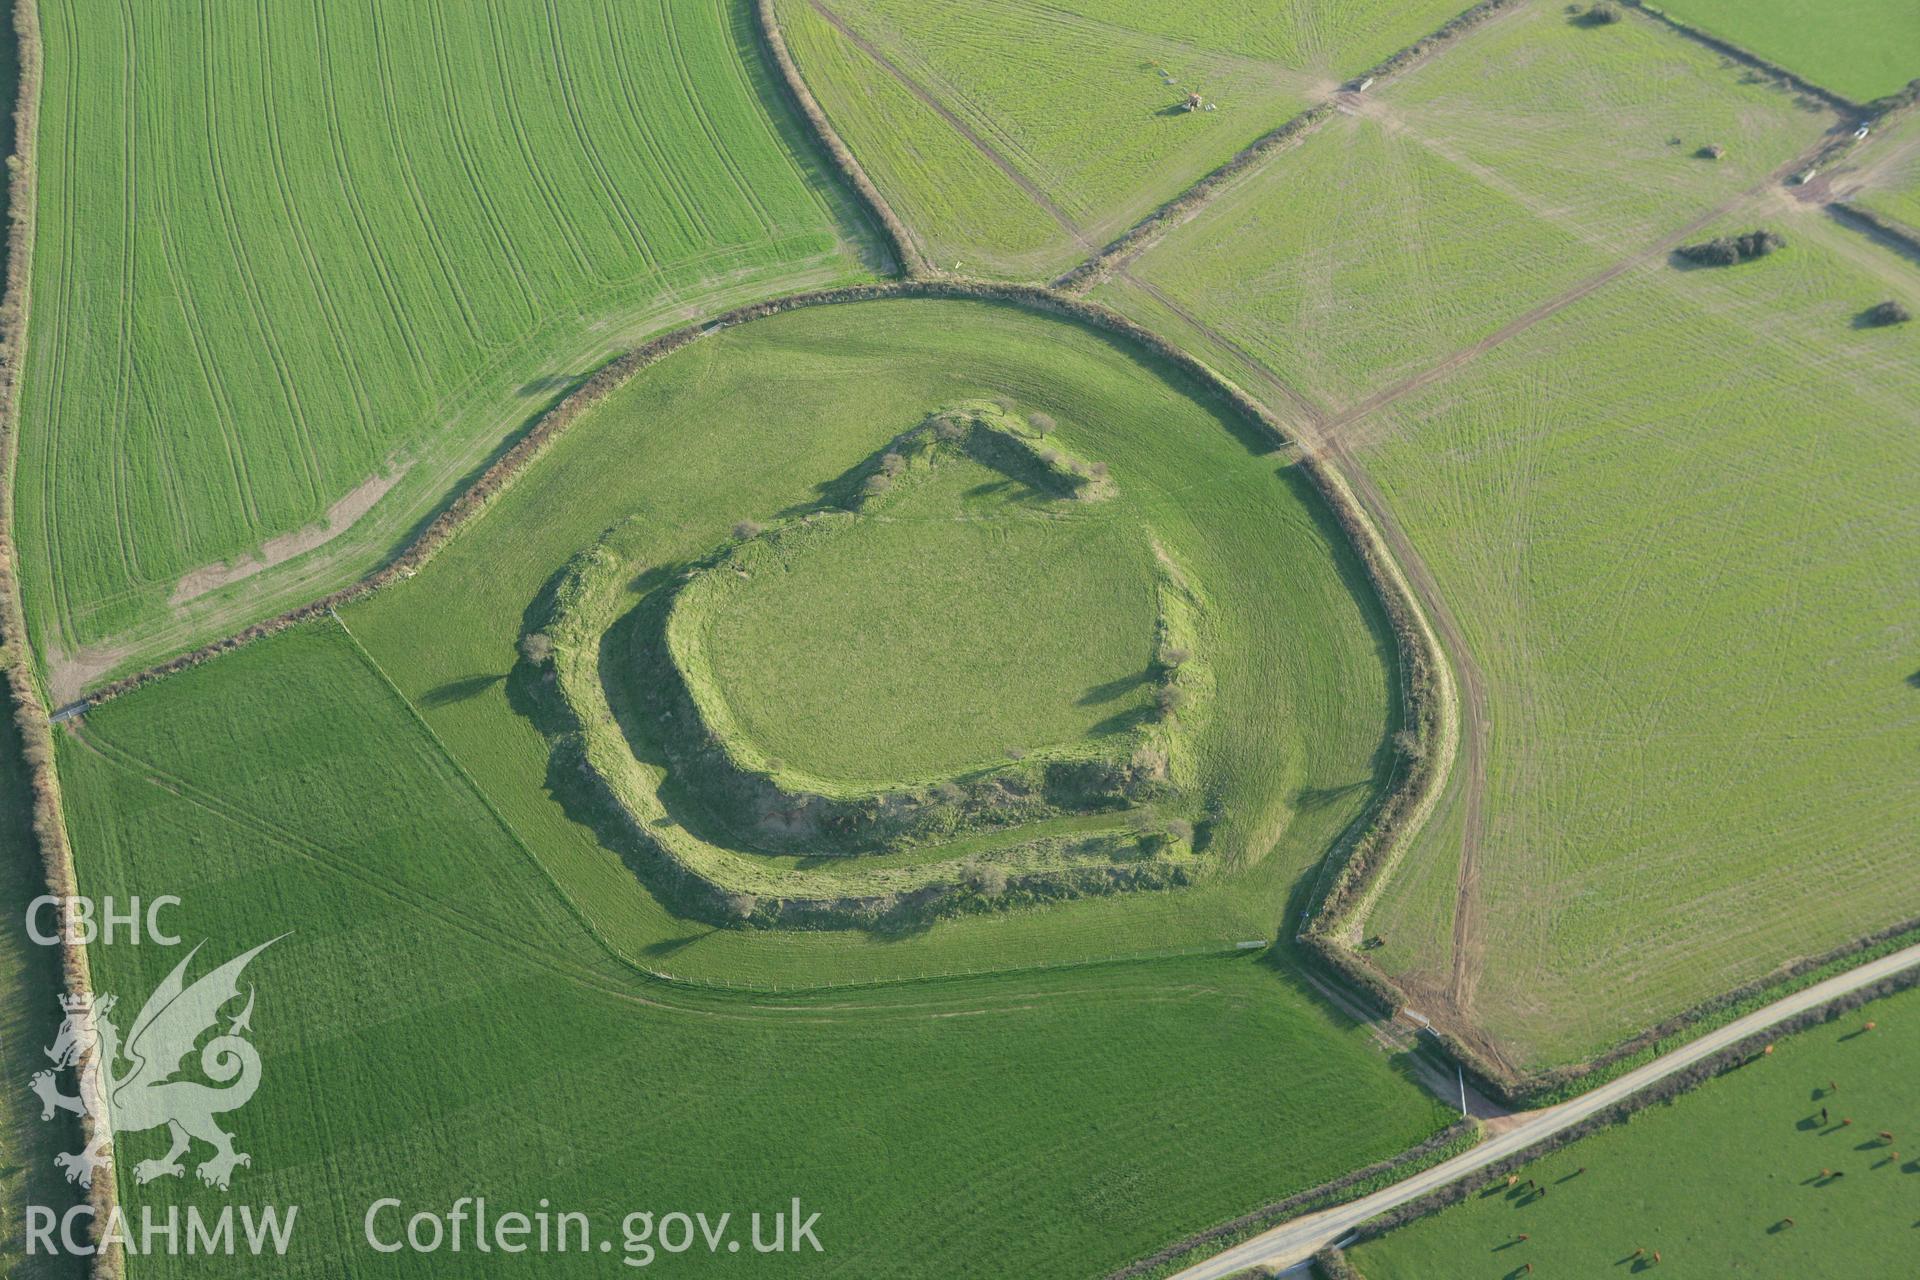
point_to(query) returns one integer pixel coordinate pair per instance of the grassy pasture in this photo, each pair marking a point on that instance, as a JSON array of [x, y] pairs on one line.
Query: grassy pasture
[[1074, 101], [1861, 50], [439, 1023], [1670, 519], [964, 620], [741, 426], [1709, 1178], [288, 255], [1519, 161], [1886, 177]]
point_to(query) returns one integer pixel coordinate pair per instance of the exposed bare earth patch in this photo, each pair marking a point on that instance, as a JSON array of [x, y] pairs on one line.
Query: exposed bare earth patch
[[339, 518]]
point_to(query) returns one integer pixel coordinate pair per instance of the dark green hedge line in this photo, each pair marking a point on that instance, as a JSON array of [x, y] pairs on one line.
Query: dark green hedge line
[[1331, 1263], [899, 239], [23, 690], [1874, 225], [1844, 105]]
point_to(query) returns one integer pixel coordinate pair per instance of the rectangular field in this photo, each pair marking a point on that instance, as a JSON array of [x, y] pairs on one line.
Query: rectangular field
[[1671, 520], [1511, 166], [296, 262], [1018, 139], [438, 1022]]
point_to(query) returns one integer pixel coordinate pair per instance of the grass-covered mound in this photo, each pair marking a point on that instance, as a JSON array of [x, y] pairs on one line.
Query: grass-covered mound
[[954, 613], [870, 631], [746, 425]]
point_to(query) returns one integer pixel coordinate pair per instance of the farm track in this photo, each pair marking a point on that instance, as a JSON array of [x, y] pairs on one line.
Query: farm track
[[966, 131], [1290, 1245], [1467, 947]]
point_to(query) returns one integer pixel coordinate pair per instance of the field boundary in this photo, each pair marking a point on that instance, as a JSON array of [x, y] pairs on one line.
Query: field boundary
[[907, 253], [1748, 58], [1876, 226], [1141, 236], [29, 709]]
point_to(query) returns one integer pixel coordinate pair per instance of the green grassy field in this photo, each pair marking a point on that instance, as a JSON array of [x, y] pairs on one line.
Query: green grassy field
[[1519, 161], [985, 621], [440, 1023], [1669, 519], [1863, 50], [1075, 110], [1710, 1178], [288, 262], [1297, 653], [1884, 177]]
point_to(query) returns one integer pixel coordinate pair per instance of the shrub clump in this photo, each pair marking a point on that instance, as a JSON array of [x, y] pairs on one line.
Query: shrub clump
[[536, 647], [1727, 251], [1600, 15], [1888, 312]]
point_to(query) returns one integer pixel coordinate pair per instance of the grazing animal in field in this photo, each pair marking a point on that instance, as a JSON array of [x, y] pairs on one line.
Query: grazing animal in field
[[1833, 1086], [1786, 1222], [1512, 1178], [1845, 1121], [1639, 1253], [1523, 1237], [1886, 1136], [1872, 1025], [1823, 1115], [1656, 1255]]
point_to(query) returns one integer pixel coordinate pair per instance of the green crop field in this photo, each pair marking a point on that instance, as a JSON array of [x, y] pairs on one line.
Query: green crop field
[[439, 1021], [746, 424], [1712, 1178], [291, 264], [1670, 519], [1057, 126], [1436, 208], [1864, 49]]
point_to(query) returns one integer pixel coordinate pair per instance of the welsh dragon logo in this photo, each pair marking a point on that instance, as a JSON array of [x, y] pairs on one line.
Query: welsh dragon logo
[[133, 1085]]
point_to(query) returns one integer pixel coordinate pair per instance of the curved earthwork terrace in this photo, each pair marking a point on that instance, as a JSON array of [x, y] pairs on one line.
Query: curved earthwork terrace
[[947, 608]]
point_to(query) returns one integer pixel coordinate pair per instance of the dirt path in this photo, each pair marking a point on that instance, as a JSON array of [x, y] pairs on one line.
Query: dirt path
[[1291, 1244], [1468, 944], [960, 126], [1313, 414], [1560, 301]]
